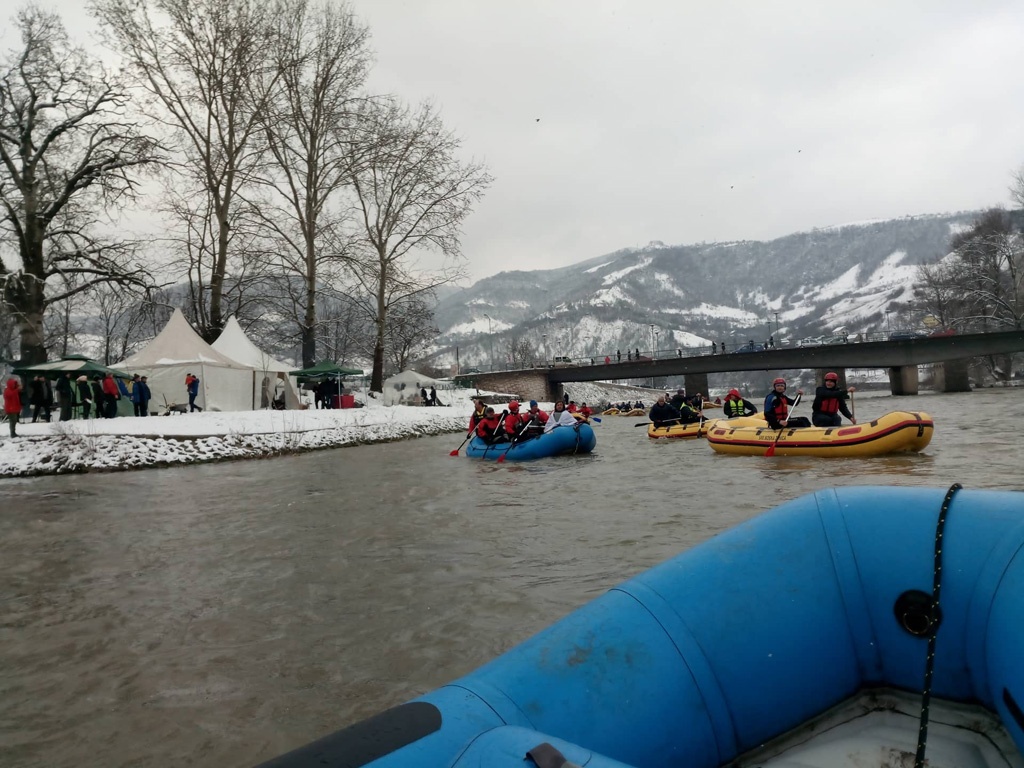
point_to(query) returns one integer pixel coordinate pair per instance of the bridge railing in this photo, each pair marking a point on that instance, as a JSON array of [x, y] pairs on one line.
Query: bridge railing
[[728, 348]]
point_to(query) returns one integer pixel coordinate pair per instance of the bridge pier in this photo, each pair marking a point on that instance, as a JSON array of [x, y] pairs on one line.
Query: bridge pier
[[696, 382], [903, 380], [952, 376]]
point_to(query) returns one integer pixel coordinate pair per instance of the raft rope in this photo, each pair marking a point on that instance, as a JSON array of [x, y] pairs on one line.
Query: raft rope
[[929, 668]]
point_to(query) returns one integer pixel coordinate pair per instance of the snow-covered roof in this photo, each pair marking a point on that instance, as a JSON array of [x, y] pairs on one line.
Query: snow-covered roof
[[236, 345], [178, 344]]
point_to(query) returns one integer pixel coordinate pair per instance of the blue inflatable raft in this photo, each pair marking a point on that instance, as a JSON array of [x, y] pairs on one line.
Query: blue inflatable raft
[[559, 441], [817, 634]]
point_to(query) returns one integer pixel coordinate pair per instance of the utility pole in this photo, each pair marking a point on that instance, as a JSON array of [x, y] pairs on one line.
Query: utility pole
[[490, 338]]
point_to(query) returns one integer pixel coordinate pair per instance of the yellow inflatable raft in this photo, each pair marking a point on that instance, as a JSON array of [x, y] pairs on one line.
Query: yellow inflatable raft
[[680, 431], [635, 412], [610, 412], [896, 432]]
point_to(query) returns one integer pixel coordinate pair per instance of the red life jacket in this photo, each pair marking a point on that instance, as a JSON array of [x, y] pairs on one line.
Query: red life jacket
[[488, 425], [830, 404], [780, 407]]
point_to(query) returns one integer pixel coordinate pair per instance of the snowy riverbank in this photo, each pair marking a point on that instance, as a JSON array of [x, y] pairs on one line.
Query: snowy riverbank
[[133, 443], [160, 441]]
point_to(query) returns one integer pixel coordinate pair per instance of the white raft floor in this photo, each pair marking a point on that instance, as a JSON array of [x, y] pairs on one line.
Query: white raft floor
[[879, 729]]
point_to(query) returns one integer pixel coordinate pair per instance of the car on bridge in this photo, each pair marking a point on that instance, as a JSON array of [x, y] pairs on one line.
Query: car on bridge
[[750, 346], [562, 362], [904, 335], [812, 341]]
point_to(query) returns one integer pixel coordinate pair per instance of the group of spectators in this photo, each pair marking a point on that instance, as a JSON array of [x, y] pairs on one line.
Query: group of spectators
[[97, 397]]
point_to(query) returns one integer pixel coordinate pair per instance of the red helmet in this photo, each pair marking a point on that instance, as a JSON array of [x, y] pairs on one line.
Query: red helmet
[[734, 393], [832, 376], [779, 381], [513, 405]]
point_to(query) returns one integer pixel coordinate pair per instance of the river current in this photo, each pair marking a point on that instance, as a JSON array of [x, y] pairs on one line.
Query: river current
[[221, 614]]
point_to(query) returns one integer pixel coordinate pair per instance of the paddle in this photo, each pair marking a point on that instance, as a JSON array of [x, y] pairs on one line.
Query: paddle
[[771, 448], [515, 439], [468, 435], [853, 408], [657, 424], [501, 424]]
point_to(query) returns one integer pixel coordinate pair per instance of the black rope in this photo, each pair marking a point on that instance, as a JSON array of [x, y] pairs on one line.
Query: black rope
[[929, 668]]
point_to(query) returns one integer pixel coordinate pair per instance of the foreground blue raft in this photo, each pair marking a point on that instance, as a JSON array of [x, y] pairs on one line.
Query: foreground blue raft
[[558, 442], [778, 643]]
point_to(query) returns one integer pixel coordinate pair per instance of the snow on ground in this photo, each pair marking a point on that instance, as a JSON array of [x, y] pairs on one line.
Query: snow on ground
[[158, 441]]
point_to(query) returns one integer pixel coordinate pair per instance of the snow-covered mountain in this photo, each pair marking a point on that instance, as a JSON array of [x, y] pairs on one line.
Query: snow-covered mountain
[[804, 284]]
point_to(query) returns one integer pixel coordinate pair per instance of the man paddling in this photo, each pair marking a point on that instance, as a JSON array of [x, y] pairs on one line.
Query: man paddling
[[662, 413]]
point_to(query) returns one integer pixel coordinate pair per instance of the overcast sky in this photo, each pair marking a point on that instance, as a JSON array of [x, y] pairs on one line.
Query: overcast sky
[[610, 124]]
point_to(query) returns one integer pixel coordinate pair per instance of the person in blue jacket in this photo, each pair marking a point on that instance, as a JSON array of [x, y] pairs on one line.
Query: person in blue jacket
[[192, 385]]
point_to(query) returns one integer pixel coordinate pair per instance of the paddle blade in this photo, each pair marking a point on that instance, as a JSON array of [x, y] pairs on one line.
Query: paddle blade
[[771, 450], [501, 458], [454, 453], [596, 418]]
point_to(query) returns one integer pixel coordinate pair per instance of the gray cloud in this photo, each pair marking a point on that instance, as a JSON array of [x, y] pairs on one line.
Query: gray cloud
[[610, 124]]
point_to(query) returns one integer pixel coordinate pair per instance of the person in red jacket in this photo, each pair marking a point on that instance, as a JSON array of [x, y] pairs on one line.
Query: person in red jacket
[[514, 421], [488, 428], [479, 409], [111, 394], [12, 403], [586, 411]]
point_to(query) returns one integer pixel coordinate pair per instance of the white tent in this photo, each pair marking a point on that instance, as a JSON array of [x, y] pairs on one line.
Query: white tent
[[404, 388], [235, 344], [224, 384]]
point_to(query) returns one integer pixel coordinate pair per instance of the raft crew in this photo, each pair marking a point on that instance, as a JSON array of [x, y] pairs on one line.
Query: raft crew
[[735, 405], [829, 402], [776, 408]]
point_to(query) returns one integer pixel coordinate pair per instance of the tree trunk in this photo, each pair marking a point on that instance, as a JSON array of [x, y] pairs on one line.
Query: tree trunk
[[26, 297], [377, 377]]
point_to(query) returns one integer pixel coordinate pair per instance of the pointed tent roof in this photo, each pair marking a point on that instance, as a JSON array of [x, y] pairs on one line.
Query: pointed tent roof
[[235, 344], [178, 344]]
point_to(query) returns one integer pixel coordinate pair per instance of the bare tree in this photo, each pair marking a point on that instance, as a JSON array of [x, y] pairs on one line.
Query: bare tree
[[410, 326], [123, 317], [206, 67], [411, 192], [322, 57], [1017, 187], [68, 153], [519, 351], [979, 286], [343, 329]]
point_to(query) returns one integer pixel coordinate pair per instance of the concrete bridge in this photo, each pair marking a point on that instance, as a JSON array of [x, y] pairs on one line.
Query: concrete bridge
[[901, 358]]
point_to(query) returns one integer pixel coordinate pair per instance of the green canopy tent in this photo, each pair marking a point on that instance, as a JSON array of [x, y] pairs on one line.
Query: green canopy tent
[[76, 364], [325, 370]]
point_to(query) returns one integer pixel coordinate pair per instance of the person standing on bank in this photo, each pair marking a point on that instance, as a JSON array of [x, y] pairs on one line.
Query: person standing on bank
[[192, 387], [111, 394], [84, 394], [829, 402], [12, 403], [141, 395], [66, 394]]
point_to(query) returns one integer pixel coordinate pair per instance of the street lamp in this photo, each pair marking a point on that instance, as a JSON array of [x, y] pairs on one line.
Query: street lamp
[[490, 338], [778, 328], [888, 325], [544, 346], [653, 348]]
